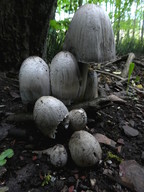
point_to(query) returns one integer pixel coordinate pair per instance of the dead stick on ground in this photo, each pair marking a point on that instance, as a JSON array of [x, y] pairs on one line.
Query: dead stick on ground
[[95, 104], [139, 63], [127, 65], [21, 117], [110, 74]]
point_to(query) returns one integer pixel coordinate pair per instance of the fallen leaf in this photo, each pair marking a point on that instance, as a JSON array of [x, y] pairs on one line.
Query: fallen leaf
[[71, 188], [14, 95], [130, 131], [139, 86], [117, 72], [132, 173], [116, 99], [103, 139]]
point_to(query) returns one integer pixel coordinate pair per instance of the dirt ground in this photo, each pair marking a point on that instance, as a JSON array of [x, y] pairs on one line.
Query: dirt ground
[[26, 171]]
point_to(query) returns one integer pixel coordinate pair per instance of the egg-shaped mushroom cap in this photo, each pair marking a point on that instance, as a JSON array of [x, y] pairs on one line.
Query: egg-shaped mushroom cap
[[34, 80], [78, 119], [48, 113], [90, 35], [85, 150], [58, 155], [64, 75]]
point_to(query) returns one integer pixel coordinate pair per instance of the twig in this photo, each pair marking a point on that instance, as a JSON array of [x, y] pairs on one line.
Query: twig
[[21, 117], [110, 74], [98, 103], [127, 65], [139, 63]]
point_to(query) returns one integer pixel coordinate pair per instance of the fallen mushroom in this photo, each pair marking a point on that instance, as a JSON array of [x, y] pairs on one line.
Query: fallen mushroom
[[57, 155], [90, 38], [65, 77], [48, 113], [85, 150], [91, 91], [34, 80], [78, 119]]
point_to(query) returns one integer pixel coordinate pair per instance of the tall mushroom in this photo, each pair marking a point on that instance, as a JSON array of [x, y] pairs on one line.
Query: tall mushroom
[[90, 38]]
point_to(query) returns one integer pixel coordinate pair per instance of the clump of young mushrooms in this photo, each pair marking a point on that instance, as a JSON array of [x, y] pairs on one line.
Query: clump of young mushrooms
[[89, 39]]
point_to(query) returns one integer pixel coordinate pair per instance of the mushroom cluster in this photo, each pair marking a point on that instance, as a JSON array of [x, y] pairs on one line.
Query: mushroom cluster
[[69, 79]]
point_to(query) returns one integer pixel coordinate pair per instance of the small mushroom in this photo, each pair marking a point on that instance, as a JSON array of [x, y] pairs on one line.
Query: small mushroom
[[85, 150], [34, 80], [48, 113], [77, 119], [90, 38], [65, 77], [57, 155], [91, 91]]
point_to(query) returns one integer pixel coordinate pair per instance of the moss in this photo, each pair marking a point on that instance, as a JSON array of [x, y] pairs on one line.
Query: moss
[[110, 155]]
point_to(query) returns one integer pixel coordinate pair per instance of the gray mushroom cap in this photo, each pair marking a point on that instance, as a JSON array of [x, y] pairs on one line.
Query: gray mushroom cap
[[85, 150], [48, 113], [77, 119], [65, 77], [90, 35], [34, 79]]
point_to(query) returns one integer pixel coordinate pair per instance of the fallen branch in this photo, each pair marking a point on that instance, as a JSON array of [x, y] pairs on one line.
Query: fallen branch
[[95, 104], [139, 63], [116, 60], [98, 103], [127, 65], [21, 117], [110, 74]]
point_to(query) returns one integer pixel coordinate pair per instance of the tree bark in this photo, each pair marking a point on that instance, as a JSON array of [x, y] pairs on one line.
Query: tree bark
[[23, 32]]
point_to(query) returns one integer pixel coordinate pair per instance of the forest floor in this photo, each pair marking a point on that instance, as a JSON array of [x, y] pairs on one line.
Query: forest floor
[[121, 122]]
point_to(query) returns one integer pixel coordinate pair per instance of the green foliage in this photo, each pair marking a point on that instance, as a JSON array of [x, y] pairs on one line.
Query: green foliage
[[131, 68], [47, 179], [127, 19], [127, 45], [8, 153], [56, 37], [110, 155]]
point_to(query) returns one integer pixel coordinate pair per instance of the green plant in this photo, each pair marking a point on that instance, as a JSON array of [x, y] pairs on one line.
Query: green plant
[[131, 68], [110, 155], [8, 153], [56, 35], [47, 179]]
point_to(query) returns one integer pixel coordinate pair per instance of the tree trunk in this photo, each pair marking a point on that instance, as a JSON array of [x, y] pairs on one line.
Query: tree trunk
[[23, 32]]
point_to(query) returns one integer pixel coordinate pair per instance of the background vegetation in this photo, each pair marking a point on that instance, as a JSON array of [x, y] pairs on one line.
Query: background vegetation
[[127, 18]]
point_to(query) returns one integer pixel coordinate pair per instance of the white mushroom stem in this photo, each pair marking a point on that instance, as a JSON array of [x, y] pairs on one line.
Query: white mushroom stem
[[84, 72]]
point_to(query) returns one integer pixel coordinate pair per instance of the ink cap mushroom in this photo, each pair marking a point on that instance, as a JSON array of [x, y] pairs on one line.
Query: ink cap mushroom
[[48, 113], [77, 119], [90, 39], [34, 80], [85, 150], [57, 155], [64, 76]]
